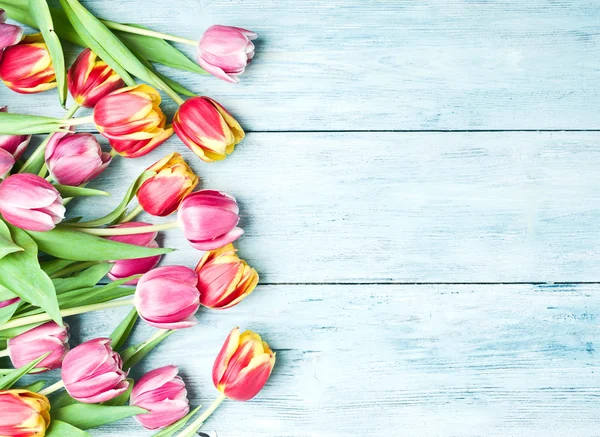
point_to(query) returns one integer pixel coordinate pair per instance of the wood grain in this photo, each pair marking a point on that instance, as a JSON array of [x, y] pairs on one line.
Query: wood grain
[[392, 65]]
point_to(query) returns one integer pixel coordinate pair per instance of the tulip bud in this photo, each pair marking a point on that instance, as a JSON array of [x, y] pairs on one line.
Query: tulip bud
[[30, 202], [207, 128], [36, 342], [224, 280], [225, 51], [209, 218], [26, 67], [23, 413], [11, 146], [89, 79], [129, 267], [162, 393], [75, 158], [161, 194], [243, 366], [92, 372], [167, 297], [138, 126], [9, 33]]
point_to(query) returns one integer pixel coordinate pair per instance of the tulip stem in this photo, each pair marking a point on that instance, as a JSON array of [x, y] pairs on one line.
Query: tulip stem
[[166, 88], [133, 214], [37, 318], [4, 353], [107, 232], [78, 121], [148, 32], [52, 388], [196, 424]]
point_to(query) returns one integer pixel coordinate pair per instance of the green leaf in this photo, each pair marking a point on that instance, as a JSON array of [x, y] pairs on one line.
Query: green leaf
[[122, 399], [86, 416], [85, 279], [67, 243], [63, 429], [170, 430], [121, 332], [7, 381], [22, 124], [7, 334], [6, 243], [41, 14], [144, 349], [53, 266], [35, 386], [7, 312], [61, 399], [69, 191], [21, 273]]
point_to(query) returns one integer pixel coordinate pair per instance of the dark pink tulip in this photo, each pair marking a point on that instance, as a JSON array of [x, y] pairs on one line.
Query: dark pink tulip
[[5, 303], [92, 372], [129, 267], [162, 393], [209, 219], [9, 34], [75, 158], [167, 297], [36, 342], [30, 202], [225, 51], [11, 147]]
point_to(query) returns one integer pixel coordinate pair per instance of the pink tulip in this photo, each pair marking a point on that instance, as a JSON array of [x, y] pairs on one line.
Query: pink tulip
[[36, 342], [75, 158], [30, 202], [6, 163], [167, 297], [92, 372], [9, 33], [129, 267], [225, 51], [8, 302], [11, 146], [209, 218], [162, 393]]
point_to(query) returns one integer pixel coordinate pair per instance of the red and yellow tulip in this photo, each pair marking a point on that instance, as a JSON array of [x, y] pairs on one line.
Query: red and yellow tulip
[[23, 413]]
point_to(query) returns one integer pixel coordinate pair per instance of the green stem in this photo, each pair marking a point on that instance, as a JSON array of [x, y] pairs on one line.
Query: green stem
[[66, 313], [133, 214], [166, 88], [147, 32], [74, 268], [191, 429], [54, 387], [107, 232]]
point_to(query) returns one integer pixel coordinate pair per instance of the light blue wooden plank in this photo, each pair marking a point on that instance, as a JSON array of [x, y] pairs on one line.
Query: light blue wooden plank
[[391, 360], [411, 64]]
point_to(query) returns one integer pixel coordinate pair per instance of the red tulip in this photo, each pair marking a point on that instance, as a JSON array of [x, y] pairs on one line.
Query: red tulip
[[23, 413], [36, 342]]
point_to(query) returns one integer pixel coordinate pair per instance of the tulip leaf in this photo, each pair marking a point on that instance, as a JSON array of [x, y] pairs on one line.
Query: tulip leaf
[[85, 279], [69, 191], [6, 243], [8, 311], [170, 430], [122, 399], [61, 399], [139, 352], [21, 273], [7, 381], [68, 243], [54, 266], [21, 124], [41, 14], [121, 332], [86, 416], [59, 428], [7, 334], [34, 387]]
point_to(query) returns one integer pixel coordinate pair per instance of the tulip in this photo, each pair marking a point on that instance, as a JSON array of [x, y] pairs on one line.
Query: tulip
[[36, 342], [9, 33], [92, 372], [6, 163], [207, 128], [132, 120], [26, 67], [225, 51], [129, 267], [209, 218], [30, 202], [23, 413], [75, 158], [161, 194], [11, 146], [162, 393], [243, 366], [90, 79], [167, 297], [224, 280]]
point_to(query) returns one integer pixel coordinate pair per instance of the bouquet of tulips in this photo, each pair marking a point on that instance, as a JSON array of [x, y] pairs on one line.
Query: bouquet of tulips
[[53, 267]]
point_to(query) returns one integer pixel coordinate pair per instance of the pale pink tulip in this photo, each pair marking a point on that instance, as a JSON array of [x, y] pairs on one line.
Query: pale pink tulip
[[129, 267], [92, 372], [225, 51], [30, 202], [75, 158], [162, 393], [32, 344], [167, 297], [209, 219]]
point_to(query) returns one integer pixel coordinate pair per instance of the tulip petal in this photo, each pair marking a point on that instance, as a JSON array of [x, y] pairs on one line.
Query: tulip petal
[[227, 351], [251, 379], [9, 35]]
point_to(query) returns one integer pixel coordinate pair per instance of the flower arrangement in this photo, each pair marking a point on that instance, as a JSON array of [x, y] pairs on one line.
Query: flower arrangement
[[53, 267]]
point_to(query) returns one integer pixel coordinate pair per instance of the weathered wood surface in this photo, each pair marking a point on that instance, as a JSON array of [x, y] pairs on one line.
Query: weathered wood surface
[[395, 64]]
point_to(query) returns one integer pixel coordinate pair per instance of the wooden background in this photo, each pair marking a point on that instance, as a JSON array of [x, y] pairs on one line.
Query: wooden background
[[419, 188]]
